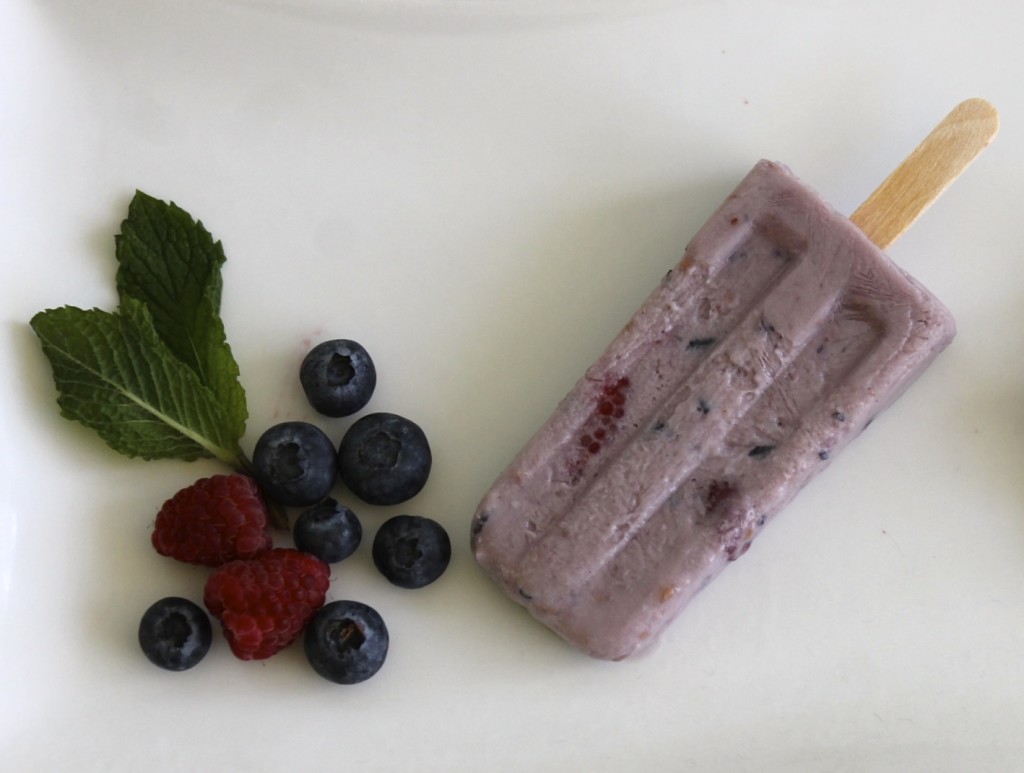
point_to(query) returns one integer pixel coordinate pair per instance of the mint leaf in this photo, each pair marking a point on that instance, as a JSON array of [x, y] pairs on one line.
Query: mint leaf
[[171, 263], [116, 375]]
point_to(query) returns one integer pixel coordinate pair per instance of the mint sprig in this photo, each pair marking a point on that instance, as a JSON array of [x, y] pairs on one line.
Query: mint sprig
[[172, 264], [156, 379], [116, 376]]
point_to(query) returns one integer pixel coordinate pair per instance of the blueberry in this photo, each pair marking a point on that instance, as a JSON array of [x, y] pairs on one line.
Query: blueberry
[[411, 551], [175, 633], [338, 377], [346, 642], [328, 530], [384, 459], [294, 463]]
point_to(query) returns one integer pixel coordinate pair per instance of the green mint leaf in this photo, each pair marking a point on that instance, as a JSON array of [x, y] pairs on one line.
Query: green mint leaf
[[116, 375], [171, 263]]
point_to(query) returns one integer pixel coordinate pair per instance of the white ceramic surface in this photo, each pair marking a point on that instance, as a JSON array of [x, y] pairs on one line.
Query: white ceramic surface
[[481, 193]]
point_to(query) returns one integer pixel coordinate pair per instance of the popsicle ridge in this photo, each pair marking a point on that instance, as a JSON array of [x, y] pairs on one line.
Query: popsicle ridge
[[667, 445], [621, 407]]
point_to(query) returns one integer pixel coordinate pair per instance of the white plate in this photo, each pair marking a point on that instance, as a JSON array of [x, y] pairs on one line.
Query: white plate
[[481, 193]]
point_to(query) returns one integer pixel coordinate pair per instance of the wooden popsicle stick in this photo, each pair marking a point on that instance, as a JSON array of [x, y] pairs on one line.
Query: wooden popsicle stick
[[922, 177]]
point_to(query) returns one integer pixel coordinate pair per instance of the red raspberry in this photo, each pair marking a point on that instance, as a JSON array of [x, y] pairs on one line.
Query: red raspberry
[[213, 521], [263, 604]]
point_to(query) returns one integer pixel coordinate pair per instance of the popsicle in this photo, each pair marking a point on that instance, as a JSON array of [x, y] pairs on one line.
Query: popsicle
[[780, 335]]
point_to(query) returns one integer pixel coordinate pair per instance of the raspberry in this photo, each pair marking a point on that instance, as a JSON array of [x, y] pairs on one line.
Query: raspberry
[[213, 521], [264, 603]]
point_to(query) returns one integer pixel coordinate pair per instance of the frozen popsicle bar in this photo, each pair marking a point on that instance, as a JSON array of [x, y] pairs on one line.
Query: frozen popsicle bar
[[775, 341]]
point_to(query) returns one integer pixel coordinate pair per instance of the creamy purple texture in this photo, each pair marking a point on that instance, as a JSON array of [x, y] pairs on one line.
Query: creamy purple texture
[[779, 336]]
